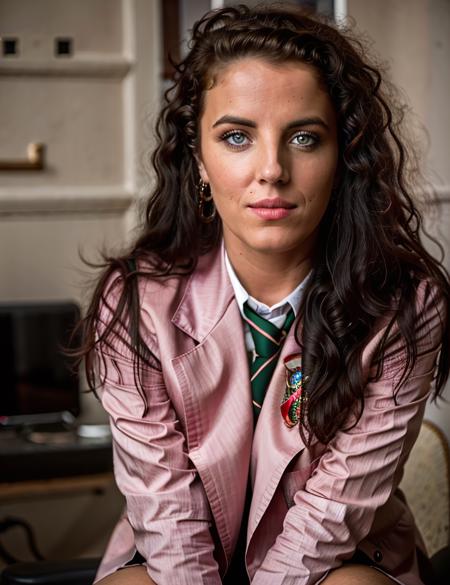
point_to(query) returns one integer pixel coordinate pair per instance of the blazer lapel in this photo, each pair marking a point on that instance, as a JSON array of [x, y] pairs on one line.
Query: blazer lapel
[[213, 380], [274, 443]]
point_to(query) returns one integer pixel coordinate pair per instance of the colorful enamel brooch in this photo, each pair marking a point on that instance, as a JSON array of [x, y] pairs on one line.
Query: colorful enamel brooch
[[294, 396]]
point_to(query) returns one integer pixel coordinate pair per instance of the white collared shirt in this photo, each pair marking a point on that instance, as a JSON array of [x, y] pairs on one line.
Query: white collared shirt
[[276, 314]]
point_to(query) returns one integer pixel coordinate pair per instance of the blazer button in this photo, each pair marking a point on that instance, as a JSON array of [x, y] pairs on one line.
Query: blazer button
[[378, 556]]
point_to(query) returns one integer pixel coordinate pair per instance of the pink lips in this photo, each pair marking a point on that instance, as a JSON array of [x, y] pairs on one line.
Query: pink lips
[[275, 208]]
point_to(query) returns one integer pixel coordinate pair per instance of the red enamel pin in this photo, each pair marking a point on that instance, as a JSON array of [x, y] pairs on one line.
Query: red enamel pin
[[294, 395]]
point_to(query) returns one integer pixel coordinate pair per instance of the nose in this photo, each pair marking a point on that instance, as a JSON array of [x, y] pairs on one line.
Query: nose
[[272, 166]]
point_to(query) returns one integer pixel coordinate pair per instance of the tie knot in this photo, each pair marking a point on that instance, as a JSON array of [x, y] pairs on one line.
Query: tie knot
[[267, 337]]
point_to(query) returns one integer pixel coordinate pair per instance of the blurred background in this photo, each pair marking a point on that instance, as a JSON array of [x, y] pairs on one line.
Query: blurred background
[[80, 85]]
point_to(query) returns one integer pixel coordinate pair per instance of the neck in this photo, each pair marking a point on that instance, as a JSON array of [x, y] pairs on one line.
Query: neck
[[269, 278]]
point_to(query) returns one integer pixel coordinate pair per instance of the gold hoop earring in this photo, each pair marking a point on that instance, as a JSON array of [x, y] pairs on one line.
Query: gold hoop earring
[[205, 199]]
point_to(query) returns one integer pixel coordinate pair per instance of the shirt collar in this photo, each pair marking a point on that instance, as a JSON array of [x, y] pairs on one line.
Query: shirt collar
[[293, 299]]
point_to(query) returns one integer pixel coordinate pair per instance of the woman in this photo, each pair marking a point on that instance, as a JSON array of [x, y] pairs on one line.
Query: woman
[[281, 244]]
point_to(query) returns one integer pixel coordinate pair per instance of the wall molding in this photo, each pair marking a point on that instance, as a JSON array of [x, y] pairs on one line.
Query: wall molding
[[111, 66], [67, 200], [441, 193]]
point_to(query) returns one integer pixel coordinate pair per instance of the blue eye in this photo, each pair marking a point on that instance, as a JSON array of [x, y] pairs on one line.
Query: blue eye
[[235, 138], [305, 139]]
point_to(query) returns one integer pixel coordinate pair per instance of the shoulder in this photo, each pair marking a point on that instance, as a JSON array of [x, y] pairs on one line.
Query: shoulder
[[431, 303], [162, 295], [426, 316], [154, 295]]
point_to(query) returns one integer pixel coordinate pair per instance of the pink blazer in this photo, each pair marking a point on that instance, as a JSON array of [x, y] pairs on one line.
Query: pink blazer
[[183, 466]]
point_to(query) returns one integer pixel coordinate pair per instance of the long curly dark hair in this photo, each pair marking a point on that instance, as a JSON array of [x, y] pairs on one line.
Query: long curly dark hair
[[370, 258]]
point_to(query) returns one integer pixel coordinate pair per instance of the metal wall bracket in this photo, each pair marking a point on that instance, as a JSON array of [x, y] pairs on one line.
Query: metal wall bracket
[[34, 161]]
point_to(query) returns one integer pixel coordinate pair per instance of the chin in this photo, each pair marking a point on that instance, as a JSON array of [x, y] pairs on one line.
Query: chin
[[272, 247]]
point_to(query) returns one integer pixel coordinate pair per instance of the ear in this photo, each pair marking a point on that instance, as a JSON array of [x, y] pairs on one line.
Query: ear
[[201, 168]]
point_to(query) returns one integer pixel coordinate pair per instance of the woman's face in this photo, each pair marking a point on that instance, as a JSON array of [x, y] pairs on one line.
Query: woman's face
[[268, 149]]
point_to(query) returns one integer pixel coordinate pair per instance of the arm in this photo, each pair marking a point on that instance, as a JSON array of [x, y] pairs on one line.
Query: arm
[[358, 471], [166, 504]]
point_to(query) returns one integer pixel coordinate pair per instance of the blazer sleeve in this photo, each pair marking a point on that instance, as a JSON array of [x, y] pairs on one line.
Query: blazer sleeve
[[359, 469], [165, 500]]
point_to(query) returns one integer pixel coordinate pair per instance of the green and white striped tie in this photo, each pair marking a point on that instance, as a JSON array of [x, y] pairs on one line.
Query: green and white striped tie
[[268, 340]]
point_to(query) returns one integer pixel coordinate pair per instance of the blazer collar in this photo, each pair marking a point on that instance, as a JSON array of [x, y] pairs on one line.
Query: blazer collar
[[207, 295], [213, 382]]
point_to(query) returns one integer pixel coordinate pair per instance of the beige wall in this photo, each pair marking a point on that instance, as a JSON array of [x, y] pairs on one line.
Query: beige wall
[[413, 37]]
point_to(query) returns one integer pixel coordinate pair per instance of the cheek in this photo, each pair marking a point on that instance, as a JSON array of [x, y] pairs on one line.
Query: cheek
[[316, 178], [317, 188], [320, 197], [228, 187], [319, 206], [226, 171]]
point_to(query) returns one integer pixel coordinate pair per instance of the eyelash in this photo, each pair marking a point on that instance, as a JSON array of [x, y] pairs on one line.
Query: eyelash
[[311, 135], [231, 133]]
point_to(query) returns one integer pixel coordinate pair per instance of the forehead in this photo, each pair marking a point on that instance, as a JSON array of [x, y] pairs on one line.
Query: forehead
[[256, 87]]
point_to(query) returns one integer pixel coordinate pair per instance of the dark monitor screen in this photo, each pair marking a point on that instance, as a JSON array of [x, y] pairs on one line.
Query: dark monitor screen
[[36, 377]]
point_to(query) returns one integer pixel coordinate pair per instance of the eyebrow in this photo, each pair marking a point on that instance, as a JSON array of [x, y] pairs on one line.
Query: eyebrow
[[312, 121]]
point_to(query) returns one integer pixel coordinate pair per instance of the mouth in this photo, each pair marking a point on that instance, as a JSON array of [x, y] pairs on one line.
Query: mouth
[[273, 203], [272, 209]]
